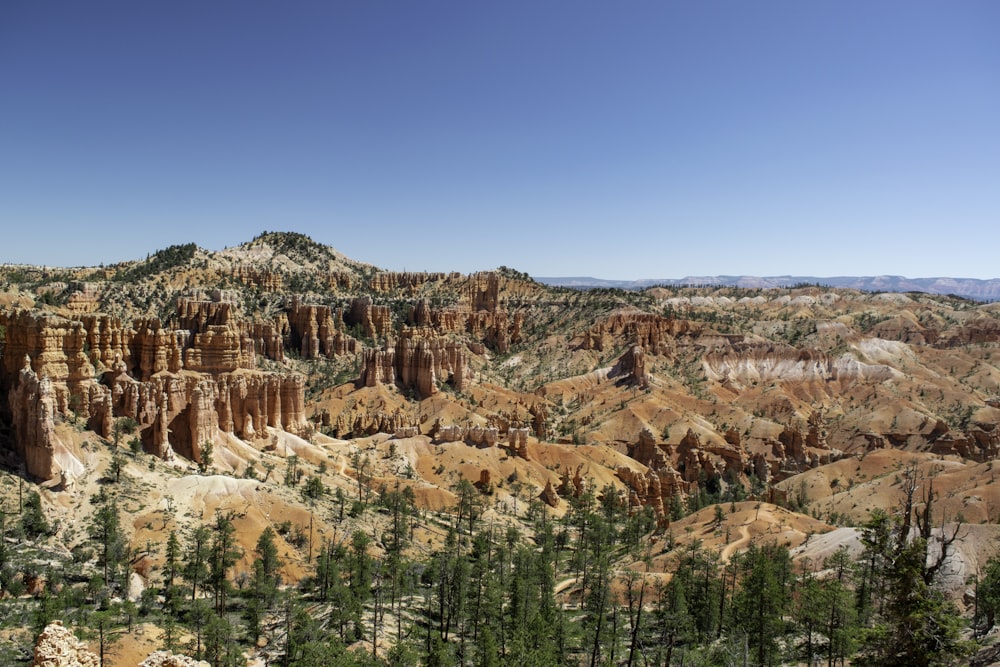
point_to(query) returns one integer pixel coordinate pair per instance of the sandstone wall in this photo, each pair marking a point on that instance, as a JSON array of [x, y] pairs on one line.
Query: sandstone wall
[[33, 423], [418, 360], [655, 334], [182, 386], [266, 280], [84, 298], [375, 321], [387, 281], [631, 367], [317, 330], [56, 348]]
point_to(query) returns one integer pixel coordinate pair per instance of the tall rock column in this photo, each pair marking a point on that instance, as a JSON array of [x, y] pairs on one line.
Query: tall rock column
[[33, 408], [203, 419]]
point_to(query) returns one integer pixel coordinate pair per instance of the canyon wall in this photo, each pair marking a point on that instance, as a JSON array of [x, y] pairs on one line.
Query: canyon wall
[[182, 385], [418, 360]]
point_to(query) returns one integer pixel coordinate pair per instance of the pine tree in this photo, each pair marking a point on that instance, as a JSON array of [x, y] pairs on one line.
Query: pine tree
[[810, 612], [841, 620], [674, 625], [105, 529], [199, 614], [223, 555], [196, 563], [218, 639], [103, 623], [361, 570], [762, 599], [988, 595], [171, 570], [918, 626], [698, 571], [33, 521], [264, 581]]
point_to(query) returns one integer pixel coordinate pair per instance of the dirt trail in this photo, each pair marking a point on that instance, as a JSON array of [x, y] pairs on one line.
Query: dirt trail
[[738, 544]]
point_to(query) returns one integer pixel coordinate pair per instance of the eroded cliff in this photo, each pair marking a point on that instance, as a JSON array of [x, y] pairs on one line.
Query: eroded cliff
[[182, 386]]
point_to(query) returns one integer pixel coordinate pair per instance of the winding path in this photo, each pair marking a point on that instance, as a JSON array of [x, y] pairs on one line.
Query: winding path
[[738, 544]]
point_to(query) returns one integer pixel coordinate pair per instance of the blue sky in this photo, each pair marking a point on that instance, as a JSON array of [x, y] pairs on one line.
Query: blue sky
[[620, 140]]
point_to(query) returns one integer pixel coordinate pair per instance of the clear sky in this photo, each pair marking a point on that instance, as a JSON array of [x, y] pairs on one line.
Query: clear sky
[[621, 140]]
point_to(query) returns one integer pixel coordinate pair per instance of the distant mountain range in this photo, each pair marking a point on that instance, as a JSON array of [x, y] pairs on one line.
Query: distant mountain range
[[971, 288]]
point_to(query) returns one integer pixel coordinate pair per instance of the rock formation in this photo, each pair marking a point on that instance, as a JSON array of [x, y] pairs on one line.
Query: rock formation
[[517, 440], [267, 338], [375, 321], [387, 281], [449, 433], [973, 332], [981, 442], [631, 367], [182, 386], [33, 423], [368, 422], [156, 349], [695, 461], [57, 646], [186, 410], [264, 279], [84, 297], [655, 334], [744, 362], [482, 436], [484, 291], [419, 361], [316, 331], [549, 495], [165, 659], [574, 485], [56, 348], [480, 314], [219, 349], [539, 423], [659, 483], [107, 340], [647, 452]]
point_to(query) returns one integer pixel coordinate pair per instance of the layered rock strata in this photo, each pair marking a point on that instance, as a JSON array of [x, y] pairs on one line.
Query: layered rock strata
[[368, 422], [659, 483], [33, 423], [181, 386], [655, 334], [374, 320], [419, 361], [84, 297], [981, 442], [264, 279], [387, 281], [631, 367], [497, 328], [316, 331]]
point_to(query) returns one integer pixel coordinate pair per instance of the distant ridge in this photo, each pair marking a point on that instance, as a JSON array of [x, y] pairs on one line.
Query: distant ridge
[[971, 288]]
